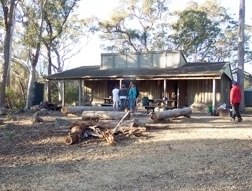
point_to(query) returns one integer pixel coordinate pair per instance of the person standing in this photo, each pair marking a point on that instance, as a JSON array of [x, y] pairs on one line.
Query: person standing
[[123, 94], [132, 98], [235, 100], [116, 99]]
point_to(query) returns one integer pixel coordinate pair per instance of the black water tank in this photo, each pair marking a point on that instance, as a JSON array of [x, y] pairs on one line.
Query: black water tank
[[248, 97], [38, 93]]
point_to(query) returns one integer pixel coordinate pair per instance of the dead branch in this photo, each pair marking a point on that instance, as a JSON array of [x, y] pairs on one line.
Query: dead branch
[[118, 125], [109, 137]]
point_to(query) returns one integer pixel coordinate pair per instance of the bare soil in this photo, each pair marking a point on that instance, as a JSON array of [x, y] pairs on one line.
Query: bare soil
[[199, 153]]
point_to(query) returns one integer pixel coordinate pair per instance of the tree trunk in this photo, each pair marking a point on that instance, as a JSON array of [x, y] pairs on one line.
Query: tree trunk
[[49, 85], [71, 139], [106, 115], [161, 115], [30, 88], [240, 71], [9, 13], [34, 58], [80, 109]]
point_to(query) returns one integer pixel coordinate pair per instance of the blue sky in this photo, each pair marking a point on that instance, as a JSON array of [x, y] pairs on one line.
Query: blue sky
[[90, 54]]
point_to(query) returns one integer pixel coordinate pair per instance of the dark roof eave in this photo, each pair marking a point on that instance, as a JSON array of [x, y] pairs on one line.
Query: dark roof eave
[[214, 75], [189, 70]]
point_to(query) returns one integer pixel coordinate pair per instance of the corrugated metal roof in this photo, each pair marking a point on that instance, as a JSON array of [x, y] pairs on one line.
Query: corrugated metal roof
[[188, 70]]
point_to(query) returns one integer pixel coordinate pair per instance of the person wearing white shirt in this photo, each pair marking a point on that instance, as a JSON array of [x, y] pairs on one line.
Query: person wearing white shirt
[[116, 98]]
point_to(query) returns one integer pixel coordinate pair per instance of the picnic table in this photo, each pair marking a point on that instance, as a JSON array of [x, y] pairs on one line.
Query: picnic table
[[108, 100], [167, 104], [170, 102]]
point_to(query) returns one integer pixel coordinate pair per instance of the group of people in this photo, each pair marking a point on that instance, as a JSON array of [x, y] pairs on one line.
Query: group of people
[[124, 98]]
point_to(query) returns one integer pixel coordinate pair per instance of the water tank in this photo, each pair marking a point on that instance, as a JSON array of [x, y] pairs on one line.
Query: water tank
[[248, 97], [38, 93]]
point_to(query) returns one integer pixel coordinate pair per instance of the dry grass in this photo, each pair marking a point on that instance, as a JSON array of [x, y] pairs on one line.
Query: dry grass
[[199, 153]]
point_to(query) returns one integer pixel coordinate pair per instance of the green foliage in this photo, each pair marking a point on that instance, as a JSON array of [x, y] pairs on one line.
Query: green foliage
[[121, 34], [13, 99], [56, 16], [31, 26], [203, 32], [207, 33], [54, 92], [195, 32], [71, 92]]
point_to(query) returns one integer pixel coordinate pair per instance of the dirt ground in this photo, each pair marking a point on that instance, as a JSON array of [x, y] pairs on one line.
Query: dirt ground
[[199, 153]]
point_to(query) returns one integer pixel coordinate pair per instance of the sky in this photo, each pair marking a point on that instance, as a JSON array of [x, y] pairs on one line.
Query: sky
[[91, 53]]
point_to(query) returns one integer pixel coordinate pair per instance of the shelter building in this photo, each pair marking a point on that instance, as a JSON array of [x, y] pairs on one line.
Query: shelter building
[[156, 75]]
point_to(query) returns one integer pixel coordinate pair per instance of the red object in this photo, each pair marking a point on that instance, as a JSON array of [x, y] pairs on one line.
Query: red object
[[235, 94]]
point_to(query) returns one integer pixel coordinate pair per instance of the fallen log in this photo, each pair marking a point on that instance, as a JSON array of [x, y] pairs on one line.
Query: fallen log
[[106, 115], [80, 109], [108, 135], [161, 115], [76, 133], [72, 138], [103, 129]]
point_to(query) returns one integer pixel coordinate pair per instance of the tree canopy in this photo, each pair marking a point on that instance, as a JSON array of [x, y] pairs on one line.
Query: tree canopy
[[203, 32], [136, 25]]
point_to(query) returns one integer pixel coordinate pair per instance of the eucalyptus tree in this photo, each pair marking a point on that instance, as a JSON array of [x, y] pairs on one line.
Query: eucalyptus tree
[[45, 24], [14, 53], [75, 35], [136, 25], [194, 33], [225, 42], [198, 31], [206, 32], [8, 10], [240, 71], [57, 14], [65, 42], [33, 29], [62, 31]]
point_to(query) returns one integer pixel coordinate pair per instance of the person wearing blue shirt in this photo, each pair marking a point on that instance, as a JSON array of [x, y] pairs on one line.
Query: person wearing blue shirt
[[132, 98]]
